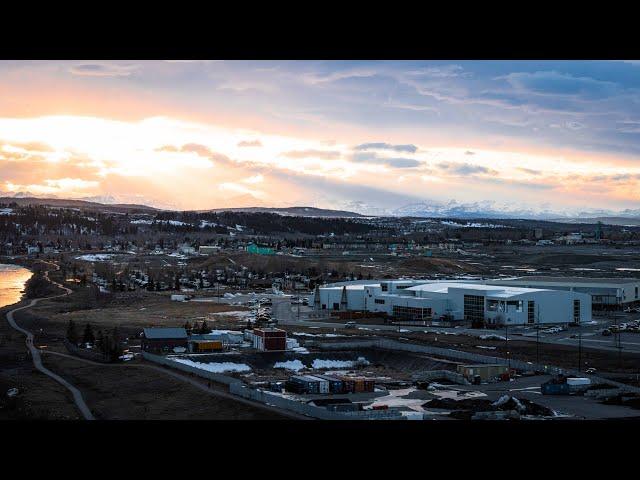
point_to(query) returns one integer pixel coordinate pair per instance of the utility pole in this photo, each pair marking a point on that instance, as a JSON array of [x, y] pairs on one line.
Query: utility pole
[[579, 350], [538, 338], [619, 341], [506, 342]]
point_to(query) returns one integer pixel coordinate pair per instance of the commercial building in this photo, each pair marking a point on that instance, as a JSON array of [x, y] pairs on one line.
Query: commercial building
[[260, 250], [478, 303], [606, 293], [269, 339], [163, 340]]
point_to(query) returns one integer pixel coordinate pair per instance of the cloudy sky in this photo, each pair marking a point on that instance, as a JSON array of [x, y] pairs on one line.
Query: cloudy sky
[[336, 134]]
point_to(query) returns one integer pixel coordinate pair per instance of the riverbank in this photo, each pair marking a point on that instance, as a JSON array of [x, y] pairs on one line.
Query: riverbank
[[13, 283]]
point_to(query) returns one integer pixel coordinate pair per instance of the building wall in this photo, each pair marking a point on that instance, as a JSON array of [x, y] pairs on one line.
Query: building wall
[[624, 292], [550, 306]]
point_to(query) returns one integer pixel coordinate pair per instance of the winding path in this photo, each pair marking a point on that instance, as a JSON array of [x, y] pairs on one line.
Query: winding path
[[35, 353], [199, 385], [77, 395]]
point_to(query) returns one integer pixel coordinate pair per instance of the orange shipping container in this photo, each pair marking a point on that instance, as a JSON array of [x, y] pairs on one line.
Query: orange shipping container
[[207, 345]]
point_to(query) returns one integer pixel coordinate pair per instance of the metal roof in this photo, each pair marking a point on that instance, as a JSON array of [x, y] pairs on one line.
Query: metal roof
[[490, 290], [160, 333], [585, 280]]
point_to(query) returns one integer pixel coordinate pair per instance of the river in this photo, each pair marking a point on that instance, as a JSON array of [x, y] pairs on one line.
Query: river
[[12, 280]]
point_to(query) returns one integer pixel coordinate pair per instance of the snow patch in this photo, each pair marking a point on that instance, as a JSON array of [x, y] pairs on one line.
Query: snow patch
[[294, 365], [219, 367]]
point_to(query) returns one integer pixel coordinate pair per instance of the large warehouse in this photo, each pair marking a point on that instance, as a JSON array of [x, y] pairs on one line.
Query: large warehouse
[[456, 301], [606, 293]]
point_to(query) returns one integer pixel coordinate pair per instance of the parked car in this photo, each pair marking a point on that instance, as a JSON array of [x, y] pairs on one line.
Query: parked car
[[351, 324], [590, 370], [606, 332]]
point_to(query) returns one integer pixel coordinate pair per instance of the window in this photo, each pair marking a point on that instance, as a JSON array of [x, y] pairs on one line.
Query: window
[[384, 287], [515, 303], [474, 309], [636, 292], [531, 312], [576, 311], [336, 306], [411, 313], [379, 301]]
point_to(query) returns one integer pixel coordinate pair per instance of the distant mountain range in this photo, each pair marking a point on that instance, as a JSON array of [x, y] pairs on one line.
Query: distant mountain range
[[425, 209]]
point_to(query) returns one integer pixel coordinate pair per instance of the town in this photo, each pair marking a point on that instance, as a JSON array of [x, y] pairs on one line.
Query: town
[[305, 314]]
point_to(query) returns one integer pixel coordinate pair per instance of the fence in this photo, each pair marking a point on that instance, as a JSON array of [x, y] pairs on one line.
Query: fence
[[436, 374], [215, 377], [310, 410]]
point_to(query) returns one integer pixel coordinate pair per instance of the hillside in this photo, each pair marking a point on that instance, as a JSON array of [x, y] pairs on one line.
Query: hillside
[[293, 211], [67, 203]]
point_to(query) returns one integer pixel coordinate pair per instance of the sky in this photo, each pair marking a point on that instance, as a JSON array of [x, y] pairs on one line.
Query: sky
[[369, 136]]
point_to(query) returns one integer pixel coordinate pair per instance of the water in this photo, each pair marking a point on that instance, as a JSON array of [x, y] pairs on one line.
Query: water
[[12, 280]]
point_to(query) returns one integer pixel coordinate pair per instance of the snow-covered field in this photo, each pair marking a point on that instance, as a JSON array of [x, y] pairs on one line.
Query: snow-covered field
[[219, 367]]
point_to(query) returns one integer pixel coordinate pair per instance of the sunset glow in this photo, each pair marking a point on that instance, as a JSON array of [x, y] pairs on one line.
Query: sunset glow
[[198, 135]]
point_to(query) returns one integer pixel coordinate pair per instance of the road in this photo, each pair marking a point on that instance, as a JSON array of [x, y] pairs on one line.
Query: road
[[35, 353]]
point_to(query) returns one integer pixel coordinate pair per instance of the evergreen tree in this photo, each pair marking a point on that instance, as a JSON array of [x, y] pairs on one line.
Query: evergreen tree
[[150, 285], [100, 341], [204, 328], [177, 282], [88, 336], [187, 326], [116, 348], [72, 334]]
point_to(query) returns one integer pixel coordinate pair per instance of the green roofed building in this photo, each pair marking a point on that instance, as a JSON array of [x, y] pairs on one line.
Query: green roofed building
[[260, 250]]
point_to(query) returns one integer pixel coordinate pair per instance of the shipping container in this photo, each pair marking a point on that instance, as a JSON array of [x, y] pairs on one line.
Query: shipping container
[[199, 346], [323, 385], [335, 384]]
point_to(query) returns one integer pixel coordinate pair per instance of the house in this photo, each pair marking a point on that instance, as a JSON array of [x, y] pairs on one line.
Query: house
[[163, 340]]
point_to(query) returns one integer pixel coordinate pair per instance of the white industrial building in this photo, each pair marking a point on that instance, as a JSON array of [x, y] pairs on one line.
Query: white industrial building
[[606, 293], [425, 300]]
